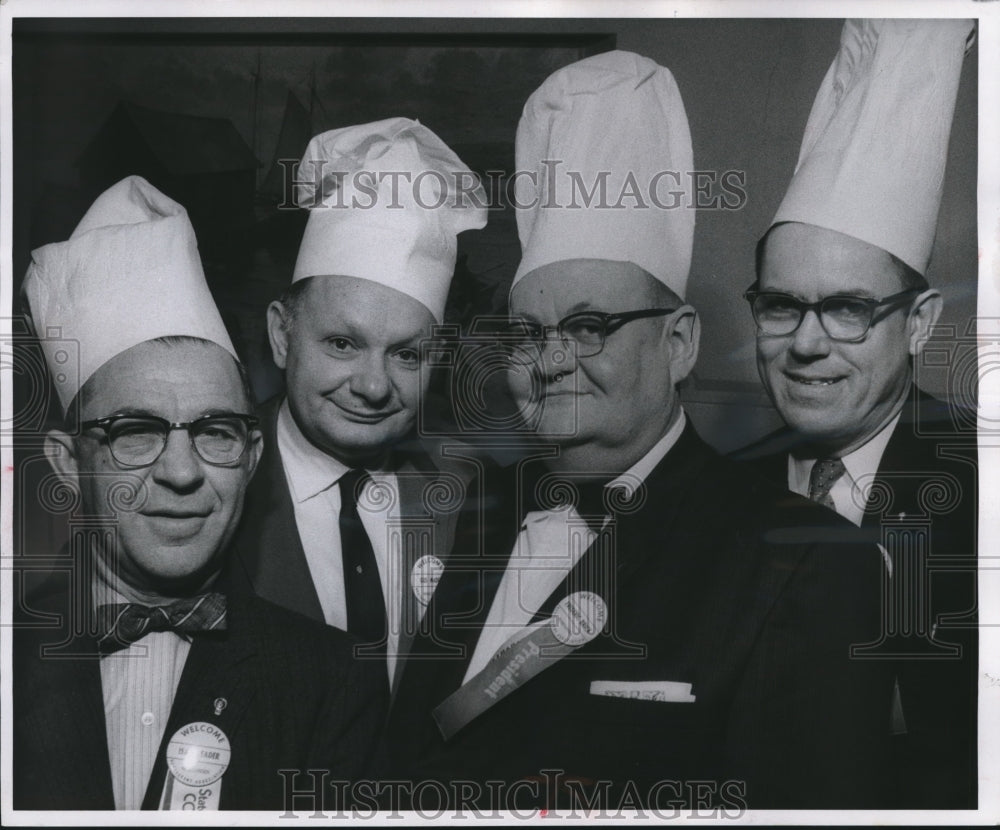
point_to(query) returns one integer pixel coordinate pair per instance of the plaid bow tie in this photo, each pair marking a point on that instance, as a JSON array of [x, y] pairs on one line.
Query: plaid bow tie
[[120, 625]]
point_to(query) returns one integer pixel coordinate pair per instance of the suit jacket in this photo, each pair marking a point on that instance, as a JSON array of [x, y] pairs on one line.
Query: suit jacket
[[717, 580], [434, 489], [925, 490], [296, 700]]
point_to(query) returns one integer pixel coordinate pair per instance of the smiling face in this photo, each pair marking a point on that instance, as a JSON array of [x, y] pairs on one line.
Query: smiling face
[[605, 411], [173, 518], [350, 349], [835, 394]]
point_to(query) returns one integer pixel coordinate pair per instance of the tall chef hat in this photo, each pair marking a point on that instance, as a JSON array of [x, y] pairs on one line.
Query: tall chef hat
[[130, 272], [386, 202], [874, 150], [616, 117]]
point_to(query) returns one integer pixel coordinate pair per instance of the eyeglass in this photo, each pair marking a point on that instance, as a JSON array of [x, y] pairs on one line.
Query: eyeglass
[[587, 331], [842, 316], [139, 440]]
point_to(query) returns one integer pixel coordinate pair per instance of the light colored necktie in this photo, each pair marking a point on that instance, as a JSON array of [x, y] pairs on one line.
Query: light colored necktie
[[825, 473]]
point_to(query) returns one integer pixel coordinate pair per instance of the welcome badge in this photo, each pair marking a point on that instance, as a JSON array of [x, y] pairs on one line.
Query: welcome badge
[[197, 757]]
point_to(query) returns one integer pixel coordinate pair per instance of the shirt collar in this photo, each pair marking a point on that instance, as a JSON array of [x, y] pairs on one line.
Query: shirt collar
[[861, 462], [309, 470], [640, 471]]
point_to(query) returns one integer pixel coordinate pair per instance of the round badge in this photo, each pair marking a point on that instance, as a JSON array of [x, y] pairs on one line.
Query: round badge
[[424, 577], [198, 754], [579, 618]]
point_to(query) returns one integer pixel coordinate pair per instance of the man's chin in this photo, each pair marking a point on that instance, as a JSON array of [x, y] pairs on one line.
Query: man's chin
[[558, 420], [187, 577], [819, 433]]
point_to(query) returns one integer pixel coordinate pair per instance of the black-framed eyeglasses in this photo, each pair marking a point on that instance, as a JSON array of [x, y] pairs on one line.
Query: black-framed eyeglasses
[[586, 331], [139, 440], [843, 317]]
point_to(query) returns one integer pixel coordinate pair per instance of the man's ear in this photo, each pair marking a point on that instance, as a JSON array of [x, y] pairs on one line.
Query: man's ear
[[924, 314], [61, 451], [278, 320], [684, 333], [254, 449]]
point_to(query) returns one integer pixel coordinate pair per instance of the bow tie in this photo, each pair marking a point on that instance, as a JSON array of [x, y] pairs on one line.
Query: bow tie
[[119, 625]]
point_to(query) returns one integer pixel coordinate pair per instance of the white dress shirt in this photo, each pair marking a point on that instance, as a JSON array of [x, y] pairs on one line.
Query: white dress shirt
[[850, 491], [312, 478], [138, 684], [550, 543]]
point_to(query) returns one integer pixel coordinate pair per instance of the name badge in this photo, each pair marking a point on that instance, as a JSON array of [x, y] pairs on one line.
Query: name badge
[[425, 576], [197, 757]]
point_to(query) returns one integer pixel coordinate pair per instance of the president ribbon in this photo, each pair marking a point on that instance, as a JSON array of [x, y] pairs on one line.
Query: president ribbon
[[576, 620]]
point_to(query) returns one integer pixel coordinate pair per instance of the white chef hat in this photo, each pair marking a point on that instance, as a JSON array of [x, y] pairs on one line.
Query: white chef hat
[[130, 272], [616, 117], [874, 150], [386, 202]]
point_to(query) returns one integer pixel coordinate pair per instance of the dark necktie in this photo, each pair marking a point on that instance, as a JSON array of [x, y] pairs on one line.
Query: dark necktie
[[825, 473], [588, 497], [366, 617], [119, 625], [592, 504]]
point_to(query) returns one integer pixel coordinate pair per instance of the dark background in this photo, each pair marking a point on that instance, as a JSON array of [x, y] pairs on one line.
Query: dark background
[[203, 107]]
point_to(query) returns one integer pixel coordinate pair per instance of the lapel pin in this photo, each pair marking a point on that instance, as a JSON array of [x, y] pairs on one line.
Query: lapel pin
[[220, 704]]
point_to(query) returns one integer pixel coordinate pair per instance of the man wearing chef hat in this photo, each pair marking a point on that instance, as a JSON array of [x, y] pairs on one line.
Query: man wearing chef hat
[[340, 525], [842, 310], [677, 623], [150, 688]]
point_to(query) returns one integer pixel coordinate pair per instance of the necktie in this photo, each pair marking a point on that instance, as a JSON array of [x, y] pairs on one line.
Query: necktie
[[121, 624], [591, 505], [366, 615], [588, 497], [824, 475]]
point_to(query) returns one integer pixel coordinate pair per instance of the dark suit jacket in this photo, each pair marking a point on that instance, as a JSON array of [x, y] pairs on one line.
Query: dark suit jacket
[[925, 491], [720, 581], [295, 700], [436, 481]]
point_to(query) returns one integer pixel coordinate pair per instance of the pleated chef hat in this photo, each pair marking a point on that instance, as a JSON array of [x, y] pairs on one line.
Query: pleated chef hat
[[130, 272], [873, 155], [386, 202], [616, 117]]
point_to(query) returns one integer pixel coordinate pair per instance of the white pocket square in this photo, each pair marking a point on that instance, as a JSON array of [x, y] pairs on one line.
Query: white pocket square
[[664, 691]]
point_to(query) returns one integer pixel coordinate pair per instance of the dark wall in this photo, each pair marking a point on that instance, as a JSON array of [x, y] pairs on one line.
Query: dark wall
[[747, 85]]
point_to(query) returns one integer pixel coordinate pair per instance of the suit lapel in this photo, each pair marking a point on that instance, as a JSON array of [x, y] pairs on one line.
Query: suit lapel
[[268, 549], [485, 533], [217, 686], [422, 533], [904, 453], [623, 547], [434, 504]]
